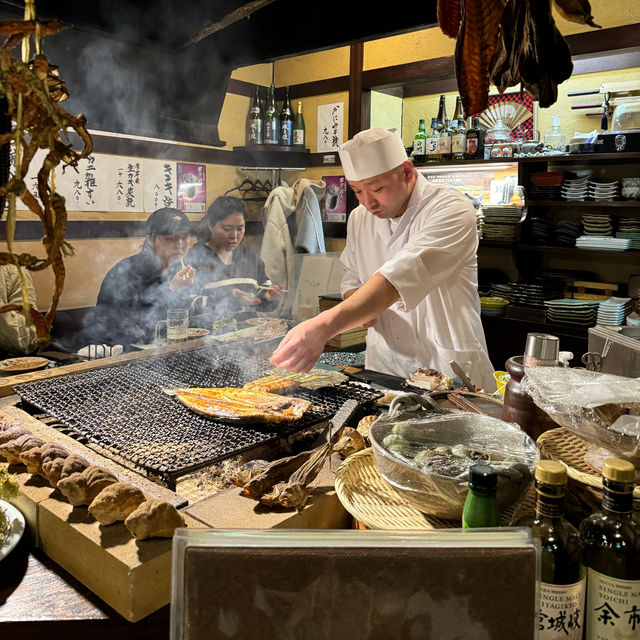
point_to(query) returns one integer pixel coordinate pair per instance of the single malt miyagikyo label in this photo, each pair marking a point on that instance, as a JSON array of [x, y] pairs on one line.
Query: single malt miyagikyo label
[[613, 608], [561, 610]]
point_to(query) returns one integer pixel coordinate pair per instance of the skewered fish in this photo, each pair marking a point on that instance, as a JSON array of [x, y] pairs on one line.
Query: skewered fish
[[230, 404]]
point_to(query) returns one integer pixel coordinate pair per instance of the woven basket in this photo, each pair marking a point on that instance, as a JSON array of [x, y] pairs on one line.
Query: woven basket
[[373, 502], [584, 491]]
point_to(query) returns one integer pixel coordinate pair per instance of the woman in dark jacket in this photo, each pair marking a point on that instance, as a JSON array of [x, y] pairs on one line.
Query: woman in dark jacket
[[227, 272]]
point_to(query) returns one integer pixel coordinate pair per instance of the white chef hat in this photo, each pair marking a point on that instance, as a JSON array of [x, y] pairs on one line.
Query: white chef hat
[[372, 152]]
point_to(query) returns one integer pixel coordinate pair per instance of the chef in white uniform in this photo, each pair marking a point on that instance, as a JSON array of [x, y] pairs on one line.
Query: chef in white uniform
[[410, 271]]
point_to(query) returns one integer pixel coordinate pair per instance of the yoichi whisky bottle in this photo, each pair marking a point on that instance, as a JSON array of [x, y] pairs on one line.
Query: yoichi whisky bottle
[[610, 543]]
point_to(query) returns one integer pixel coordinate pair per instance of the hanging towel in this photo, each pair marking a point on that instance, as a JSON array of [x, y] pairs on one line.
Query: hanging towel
[[277, 248], [309, 237]]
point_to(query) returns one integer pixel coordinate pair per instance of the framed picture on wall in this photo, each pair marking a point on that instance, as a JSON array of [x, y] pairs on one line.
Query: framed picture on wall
[[512, 103]]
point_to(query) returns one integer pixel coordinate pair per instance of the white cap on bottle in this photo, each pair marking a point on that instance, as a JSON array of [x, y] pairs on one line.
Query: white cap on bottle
[[372, 152]]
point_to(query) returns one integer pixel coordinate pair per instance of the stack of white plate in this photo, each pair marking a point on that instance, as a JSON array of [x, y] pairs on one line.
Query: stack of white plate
[[604, 190], [603, 242], [575, 189], [597, 224], [570, 311], [612, 312]]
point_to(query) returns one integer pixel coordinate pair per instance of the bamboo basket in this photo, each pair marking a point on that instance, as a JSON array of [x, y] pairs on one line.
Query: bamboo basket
[[584, 490], [375, 504]]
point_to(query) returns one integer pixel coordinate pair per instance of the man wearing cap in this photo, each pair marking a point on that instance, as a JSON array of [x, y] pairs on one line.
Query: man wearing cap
[[138, 290], [410, 271]]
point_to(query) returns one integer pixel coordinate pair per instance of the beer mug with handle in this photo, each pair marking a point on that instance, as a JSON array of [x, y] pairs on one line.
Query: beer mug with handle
[[177, 326]]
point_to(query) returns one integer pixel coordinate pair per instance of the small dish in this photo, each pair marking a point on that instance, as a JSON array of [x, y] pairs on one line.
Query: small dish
[[21, 365], [14, 531], [196, 332]]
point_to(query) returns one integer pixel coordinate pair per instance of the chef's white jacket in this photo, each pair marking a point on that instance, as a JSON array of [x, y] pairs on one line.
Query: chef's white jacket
[[430, 258]]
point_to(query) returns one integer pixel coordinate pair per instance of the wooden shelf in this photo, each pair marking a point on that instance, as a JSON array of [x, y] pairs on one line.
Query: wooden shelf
[[633, 253], [630, 204], [561, 330], [505, 244], [631, 156]]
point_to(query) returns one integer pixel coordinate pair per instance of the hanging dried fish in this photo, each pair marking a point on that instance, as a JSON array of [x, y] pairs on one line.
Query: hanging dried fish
[[32, 91], [576, 11], [449, 16], [531, 51], [475, 46]]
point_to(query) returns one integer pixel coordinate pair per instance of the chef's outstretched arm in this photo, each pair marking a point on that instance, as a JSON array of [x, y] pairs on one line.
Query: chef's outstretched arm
[[302, 346]]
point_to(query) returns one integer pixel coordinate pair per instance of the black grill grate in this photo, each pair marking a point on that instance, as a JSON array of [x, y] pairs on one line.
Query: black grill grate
[[124, 409]]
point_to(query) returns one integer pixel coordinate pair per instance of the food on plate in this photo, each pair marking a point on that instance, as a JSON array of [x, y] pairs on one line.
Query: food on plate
[[11, 450], [268, 328], [195, 332], [22, 364], [431, 380], [273, 384], [230, 404], [154, 519], [81, 488], [115, 502]]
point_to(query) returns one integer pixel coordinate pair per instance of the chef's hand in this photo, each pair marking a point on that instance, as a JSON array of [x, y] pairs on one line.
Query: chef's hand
[[370, 323], [301, 347], [245, 298], [183, 278]]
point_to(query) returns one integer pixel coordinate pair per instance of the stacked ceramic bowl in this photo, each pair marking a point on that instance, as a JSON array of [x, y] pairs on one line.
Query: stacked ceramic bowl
[[576, 189], [493, 306], [570, 311], [630, 228], [604, 190], [597, 224], [631, 188], [612, 312]]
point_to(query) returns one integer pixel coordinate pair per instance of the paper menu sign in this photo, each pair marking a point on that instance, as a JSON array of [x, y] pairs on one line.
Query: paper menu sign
[[159, 184], [330, 126], [191, 187], [126, 184]]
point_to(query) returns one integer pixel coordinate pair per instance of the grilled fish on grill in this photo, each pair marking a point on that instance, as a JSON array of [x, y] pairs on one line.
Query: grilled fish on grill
[[273, 384], [230, 404]]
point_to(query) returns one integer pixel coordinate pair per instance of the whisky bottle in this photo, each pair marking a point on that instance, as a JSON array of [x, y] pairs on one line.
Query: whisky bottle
[[458, 133], [254, 121], [286, 122], [561, 589], [481, 505], [431, 147], [419, 143], [271, 118], [444, 135], [610, 541], [475, 141], [298, 127]]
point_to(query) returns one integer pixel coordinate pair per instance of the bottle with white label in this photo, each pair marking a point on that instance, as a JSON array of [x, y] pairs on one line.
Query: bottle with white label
[[610, 543], [561, 590], [431, 144]]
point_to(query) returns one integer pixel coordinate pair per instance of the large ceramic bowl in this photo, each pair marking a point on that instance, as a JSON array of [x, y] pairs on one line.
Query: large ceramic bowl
[[427, 458]]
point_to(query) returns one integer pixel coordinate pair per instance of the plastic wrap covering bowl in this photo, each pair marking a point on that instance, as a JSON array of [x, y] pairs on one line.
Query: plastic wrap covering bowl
[[426, 455], [626, 116]]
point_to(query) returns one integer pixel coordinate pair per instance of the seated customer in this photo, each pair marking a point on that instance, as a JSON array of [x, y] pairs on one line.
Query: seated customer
[[221, 256], [138, 290], [15, 335]]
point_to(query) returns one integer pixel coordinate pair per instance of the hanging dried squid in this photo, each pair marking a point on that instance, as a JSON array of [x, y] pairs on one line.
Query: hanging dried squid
[[32, 90]]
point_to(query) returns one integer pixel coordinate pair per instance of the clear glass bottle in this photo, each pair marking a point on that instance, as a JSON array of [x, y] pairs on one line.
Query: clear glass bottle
[[298, 127], [285, 122], [458, 133], [555, 139], [254, 121], [561, 590], [444, 135], [271, 118], [610, 541], [431, 148], [481, 504], [419, 143]]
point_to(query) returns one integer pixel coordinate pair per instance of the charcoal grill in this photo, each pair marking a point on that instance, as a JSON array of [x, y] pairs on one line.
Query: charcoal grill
[[123, 409]]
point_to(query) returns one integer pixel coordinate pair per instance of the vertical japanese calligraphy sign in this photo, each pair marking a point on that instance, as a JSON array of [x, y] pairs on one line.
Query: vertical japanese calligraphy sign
[[160, 186], [330, 126]]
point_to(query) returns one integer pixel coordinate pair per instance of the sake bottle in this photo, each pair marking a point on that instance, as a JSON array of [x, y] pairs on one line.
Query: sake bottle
[[286, 122], [610, 541], [481, 504], [419, 143], [431, 146], [254, 121], [271, 118], [561, 589], [298, 127], [444, 135], [458, 133]]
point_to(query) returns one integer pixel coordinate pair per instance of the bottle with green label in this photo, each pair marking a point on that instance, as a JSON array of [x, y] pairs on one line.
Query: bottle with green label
[[298, 127], [481, 505], [562, 585], [419, 143], [610, 541], [254, 121], [271, 118]]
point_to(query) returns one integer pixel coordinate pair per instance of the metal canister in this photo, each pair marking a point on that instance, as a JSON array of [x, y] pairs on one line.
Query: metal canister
[[541, 350]]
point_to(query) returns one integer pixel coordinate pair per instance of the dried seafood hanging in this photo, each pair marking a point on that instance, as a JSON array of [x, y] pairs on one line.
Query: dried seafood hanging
[[32, 90], [507, 43]]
